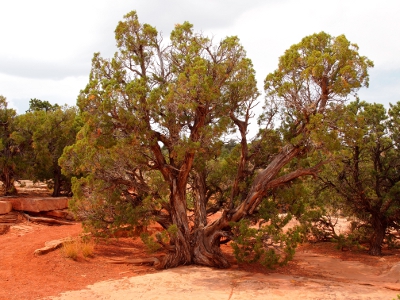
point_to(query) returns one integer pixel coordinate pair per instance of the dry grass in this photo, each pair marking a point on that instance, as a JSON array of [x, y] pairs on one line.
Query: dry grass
[[74, 248], [70, 250], [87, 248]]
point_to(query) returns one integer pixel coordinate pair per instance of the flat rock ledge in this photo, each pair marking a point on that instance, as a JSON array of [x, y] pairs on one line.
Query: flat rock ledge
[[5, 207], [38, 204], [52, 245]]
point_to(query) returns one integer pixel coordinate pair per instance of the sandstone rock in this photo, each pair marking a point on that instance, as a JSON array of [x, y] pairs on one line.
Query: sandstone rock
[[5, 207], [52, 245], [11, 217], [394, 272], [39, 204], [61, 214]]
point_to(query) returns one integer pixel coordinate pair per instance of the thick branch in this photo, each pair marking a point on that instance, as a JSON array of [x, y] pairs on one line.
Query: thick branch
[[242, 125], [282, 180], [264, 182]]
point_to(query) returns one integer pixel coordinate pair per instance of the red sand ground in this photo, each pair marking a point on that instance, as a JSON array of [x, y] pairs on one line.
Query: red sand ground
[[25, 276]]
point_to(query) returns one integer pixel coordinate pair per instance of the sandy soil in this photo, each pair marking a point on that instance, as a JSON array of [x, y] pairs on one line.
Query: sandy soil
[[319, 271]]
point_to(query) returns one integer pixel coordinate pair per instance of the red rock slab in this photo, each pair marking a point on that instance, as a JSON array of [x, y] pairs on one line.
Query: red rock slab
[[61, 214], [39, 204], [5, 207]]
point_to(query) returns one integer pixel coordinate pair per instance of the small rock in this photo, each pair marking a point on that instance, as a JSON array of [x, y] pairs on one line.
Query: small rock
[[61, 214], [11, 217], [52, 245], [394, 272], [5, 207]]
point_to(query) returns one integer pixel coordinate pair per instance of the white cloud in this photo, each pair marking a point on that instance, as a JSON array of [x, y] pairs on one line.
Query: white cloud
[[384, 87], [47, 45], [64, 91]]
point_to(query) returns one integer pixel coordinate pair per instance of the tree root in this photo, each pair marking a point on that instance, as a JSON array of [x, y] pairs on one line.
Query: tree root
[[152, 261], [46, 220]]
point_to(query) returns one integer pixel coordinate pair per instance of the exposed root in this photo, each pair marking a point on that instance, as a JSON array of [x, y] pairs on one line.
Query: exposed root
[[47, 220], [152, 261]]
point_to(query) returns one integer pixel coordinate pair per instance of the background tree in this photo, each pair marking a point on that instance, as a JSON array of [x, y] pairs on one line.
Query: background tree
[[365, 172], [155, 116], [49, 129], [38, 105], [11, 148]]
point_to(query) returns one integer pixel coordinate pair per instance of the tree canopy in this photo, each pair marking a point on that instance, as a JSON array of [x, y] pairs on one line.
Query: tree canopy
[[38, 105], [155, 118], [10, 147], [48, 129], [31, 144], [364, 171]]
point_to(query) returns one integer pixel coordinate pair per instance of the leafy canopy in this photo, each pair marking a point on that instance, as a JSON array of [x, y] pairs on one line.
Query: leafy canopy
[[150, 110], [155, 119]]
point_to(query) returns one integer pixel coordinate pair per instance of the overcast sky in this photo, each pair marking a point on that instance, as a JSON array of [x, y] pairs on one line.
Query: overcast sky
[[46, 46]]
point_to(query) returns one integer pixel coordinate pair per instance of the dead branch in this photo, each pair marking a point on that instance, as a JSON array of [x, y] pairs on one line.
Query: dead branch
[[46, 220], [153, 261], [52, 245]]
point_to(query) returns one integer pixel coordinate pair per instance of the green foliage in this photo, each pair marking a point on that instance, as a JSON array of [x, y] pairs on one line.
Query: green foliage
[[48, 129], [363, 172], [40, 105], [32, 143], [151, 244], [103, 217], [152, 123], [313, 75], [155, 243], [151, 148], [270, 241], [346, 242], [12, 148], [172, 230], [267, 245]]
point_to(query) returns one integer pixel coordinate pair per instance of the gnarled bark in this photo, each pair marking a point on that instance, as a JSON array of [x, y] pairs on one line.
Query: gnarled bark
[[206, 248], [57, 182], [8, 181], [179, 240], [202, 245], [379, 227], [200, 201]]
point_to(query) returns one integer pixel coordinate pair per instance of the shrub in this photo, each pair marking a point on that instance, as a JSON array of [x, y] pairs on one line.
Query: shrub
[[70, 250], [73, 248], [268, 245], [87, 248]]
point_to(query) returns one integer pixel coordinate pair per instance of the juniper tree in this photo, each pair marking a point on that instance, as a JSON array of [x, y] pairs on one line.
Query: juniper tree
[[365, 170], [48, 129], [155, 116]]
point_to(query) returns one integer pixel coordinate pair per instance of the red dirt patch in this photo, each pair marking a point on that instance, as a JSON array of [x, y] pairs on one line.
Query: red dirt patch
[[25, 276]]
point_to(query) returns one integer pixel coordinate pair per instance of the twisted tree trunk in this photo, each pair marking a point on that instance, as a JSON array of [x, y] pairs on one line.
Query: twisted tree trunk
[[201, 244], [8, 181], [180, 250], [57, 182], [379, 225]]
